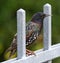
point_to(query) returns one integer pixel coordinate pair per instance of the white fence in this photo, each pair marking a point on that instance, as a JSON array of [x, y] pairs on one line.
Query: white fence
[[44, 55]]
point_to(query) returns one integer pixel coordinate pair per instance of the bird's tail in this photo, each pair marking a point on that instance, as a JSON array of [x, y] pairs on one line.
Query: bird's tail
[[12, 52], [8, 50]]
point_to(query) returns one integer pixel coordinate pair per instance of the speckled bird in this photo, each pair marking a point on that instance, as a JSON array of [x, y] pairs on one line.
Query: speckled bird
[[33, 30]]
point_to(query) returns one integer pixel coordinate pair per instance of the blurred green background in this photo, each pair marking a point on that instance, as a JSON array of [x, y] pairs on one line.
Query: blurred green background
[[8, 22]]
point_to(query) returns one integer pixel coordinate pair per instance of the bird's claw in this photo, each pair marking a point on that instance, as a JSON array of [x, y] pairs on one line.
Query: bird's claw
[[29, 52]]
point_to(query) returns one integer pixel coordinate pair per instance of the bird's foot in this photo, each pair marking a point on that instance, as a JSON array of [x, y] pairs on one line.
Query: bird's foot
[[29, 52]]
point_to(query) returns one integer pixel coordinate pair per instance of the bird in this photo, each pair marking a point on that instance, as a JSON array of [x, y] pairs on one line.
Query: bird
[[33, 30]]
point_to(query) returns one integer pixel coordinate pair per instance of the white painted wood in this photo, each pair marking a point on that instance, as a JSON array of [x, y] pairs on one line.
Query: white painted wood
[[21, 35], [42, 56], [47, 28]]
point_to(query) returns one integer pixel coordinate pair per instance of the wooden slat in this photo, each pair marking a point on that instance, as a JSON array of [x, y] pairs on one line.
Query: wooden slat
[[21, 34], [47, 28]]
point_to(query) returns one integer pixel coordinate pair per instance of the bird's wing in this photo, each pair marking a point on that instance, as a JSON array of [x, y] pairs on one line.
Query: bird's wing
[[13, 44]]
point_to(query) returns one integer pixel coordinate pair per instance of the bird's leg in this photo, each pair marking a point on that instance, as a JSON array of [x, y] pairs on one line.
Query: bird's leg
[[29, 52]]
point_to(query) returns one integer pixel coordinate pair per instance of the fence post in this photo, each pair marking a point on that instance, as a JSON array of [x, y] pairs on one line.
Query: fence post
[[47, 29], [21, 39]]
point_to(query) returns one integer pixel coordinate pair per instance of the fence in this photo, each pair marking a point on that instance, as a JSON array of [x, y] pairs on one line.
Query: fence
[[44, 55]]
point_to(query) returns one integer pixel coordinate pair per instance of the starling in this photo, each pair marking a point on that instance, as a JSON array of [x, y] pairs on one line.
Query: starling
[[33, 30]]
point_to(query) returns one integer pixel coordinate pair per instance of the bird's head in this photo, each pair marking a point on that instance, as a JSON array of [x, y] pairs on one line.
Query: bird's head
[[38, 17]]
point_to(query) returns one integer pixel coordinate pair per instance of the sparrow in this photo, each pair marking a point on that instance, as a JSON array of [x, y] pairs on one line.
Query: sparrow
[[33, 30]]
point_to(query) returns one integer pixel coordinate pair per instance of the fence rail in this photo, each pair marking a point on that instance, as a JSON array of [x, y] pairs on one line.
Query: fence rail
[[41, 56], [44, 55]]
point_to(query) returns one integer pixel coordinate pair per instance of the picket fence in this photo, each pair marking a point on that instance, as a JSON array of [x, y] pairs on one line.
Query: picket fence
[[44, 55]]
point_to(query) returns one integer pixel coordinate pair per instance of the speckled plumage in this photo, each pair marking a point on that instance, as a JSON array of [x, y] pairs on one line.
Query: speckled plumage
[[33, 30]]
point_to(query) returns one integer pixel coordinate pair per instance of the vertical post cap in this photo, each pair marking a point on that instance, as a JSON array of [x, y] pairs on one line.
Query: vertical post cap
[[48, 5], [21, 10]]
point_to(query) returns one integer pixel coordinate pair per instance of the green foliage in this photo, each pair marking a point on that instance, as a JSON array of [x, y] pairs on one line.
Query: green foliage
[[8, 27]]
